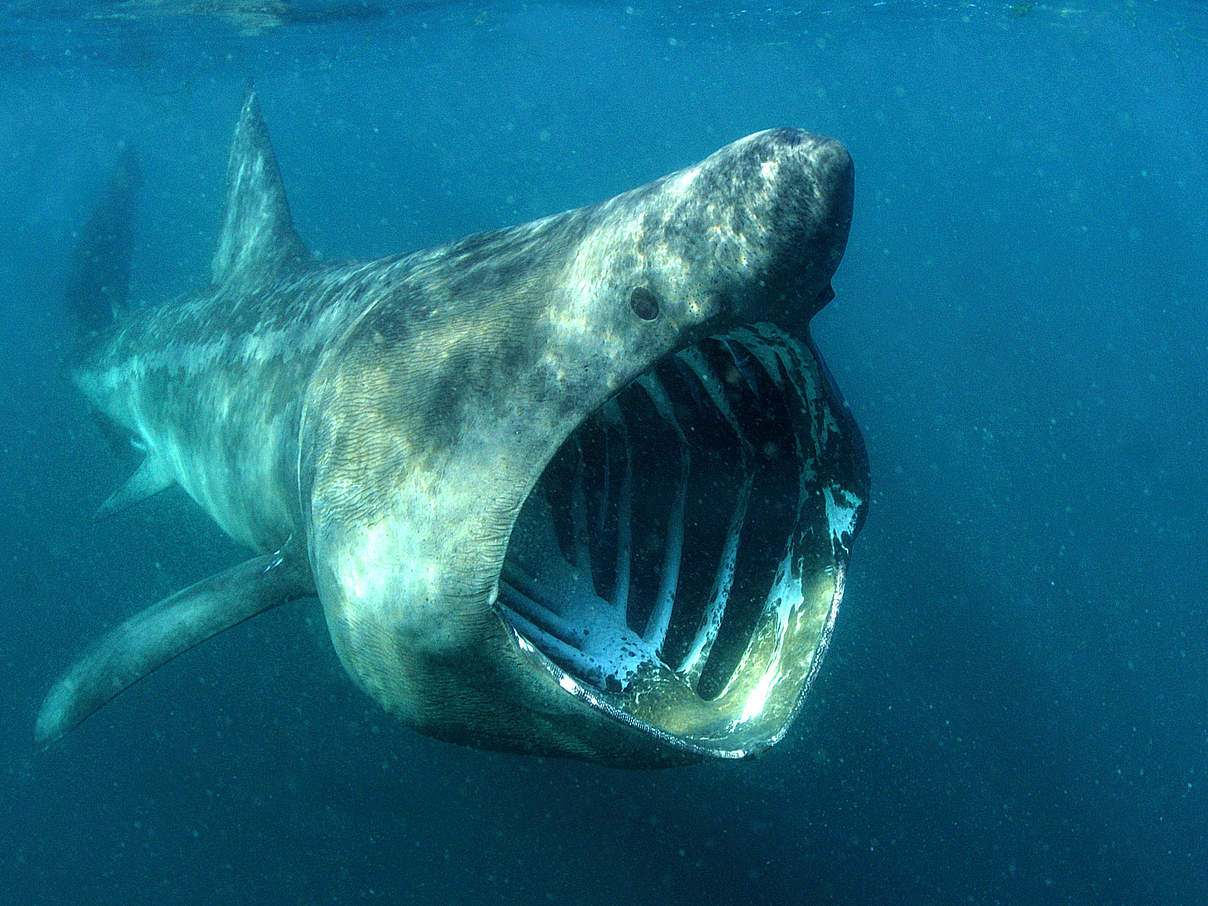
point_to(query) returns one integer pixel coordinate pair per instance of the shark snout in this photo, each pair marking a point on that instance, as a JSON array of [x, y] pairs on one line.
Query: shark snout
[[806, 214]]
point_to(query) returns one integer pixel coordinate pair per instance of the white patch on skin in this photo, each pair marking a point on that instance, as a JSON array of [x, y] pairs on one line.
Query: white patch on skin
[[841, 508], [361, 564], [683, 182]]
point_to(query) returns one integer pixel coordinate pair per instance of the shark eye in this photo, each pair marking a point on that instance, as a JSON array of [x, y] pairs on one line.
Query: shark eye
[[644, 303]]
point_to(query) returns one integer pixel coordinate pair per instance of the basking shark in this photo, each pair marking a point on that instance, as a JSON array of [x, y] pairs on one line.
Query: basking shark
[[580, 487]]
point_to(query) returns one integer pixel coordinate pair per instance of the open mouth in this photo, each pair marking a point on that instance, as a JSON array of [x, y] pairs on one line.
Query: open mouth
[[680, 560]]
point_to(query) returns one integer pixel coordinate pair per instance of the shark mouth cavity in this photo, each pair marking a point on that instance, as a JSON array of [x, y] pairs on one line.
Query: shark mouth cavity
[[681, 559]]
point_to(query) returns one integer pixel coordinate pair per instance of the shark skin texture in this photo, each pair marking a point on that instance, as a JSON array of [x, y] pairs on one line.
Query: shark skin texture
[[580, 487]]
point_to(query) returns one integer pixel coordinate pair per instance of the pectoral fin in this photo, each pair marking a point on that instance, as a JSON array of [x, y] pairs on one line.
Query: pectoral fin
[[154, 636]]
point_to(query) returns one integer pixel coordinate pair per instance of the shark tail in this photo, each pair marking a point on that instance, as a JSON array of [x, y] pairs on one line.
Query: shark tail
[[98, 284]]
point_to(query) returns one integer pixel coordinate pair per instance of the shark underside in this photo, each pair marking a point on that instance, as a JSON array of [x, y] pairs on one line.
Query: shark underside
[[582, 486]]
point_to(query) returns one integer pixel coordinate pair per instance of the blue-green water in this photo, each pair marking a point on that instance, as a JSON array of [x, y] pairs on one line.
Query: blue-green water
[[1015, 703]]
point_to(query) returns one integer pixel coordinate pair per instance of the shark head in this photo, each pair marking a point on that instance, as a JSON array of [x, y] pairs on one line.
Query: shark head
[[584, 486]]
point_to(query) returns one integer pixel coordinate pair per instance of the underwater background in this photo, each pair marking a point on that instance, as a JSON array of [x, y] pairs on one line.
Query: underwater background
[[1014, 708]]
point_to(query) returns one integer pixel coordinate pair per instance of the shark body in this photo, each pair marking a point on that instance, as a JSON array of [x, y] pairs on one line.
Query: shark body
[[579, 487]]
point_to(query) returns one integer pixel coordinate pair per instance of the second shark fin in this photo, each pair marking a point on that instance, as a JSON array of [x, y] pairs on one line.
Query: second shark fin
[[154, 636], [150, 478]]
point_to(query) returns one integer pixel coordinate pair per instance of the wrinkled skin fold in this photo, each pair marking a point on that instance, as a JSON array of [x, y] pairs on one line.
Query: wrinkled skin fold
[[579, 487]]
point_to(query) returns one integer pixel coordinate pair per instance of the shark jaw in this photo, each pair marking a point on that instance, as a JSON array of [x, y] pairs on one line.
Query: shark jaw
[[680, 561]]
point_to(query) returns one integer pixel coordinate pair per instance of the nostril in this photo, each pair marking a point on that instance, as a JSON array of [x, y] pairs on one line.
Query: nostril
[[645, 304]]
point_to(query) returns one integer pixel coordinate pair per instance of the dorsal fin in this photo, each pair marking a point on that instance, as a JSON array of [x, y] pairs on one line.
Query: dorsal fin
[[257, 239]]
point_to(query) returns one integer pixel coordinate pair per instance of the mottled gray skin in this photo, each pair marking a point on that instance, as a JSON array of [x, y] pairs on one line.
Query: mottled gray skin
[[380, 424]]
